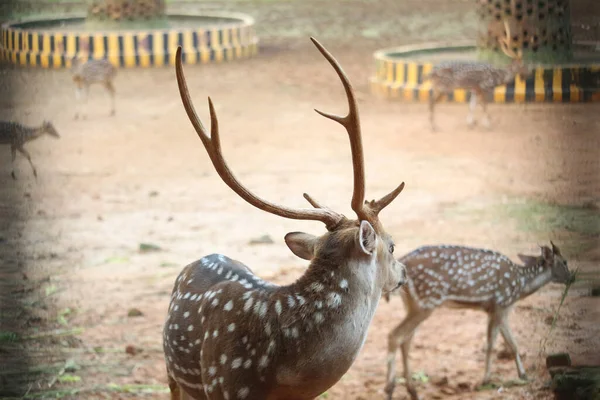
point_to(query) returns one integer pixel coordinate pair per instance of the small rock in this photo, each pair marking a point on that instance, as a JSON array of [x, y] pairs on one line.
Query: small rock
[[99, 218], [153, 193], [132, 350], [148, 248], [595, 291], [264, 239], [464, 386], [548, 320], [134, 312], [441, 381], [448, 390]]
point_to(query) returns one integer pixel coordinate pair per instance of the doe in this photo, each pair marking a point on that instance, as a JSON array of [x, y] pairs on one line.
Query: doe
[[465, 277]]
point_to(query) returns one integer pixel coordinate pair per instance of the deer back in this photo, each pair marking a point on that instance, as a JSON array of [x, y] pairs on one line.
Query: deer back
[[466, 75], [462, 275], [93, 71]]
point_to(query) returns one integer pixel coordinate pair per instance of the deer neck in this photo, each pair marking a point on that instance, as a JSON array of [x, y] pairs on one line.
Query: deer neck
[[33, 133], [533, 278], [333, 307]]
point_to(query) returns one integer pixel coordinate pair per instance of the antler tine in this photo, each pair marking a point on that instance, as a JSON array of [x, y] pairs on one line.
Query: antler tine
[[352, 124], [505, 43], [212, 145], [377, 206]]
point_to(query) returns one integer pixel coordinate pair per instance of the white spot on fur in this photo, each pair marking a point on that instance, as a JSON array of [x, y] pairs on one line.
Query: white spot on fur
[[231, 327], [243, 392], [228, 306], [344, 284], [278, 307], [235, 364]]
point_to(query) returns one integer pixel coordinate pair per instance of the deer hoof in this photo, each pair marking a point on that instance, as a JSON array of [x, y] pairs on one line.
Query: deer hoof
[[389, 390], [13, 175], [523, 377]]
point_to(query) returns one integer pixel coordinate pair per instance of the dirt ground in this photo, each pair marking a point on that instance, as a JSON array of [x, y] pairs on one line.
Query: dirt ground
[[142, 176]]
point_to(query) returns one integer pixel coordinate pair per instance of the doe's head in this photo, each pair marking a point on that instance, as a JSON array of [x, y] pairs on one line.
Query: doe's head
[[50, 129], [551, 258]]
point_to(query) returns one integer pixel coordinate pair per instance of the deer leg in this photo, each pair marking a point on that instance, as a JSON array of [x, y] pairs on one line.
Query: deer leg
[[402, 336], [174, 388], [28, 157], [492, 333], [111, 91], [472, 106], [434, 98], [486, 116], [13, 152], [510, 341]]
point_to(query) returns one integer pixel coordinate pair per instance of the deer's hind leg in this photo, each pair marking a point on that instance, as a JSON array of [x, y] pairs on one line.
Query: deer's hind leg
[[28, 157], [402, 336], [13, 153], [177, 393], [111, 91], [433, 99]]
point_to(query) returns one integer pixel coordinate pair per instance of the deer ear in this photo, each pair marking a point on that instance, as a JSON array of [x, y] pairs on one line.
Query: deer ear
[[527, 260], [367, 238], [301, 244], [555, 249]]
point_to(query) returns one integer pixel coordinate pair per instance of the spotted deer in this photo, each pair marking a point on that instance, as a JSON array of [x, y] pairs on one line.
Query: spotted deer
[[479, 78], [231, 335], [464, 277], [91, 72], [16, 135]]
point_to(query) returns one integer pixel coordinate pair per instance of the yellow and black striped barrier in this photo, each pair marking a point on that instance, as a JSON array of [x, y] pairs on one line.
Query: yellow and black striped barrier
[[398, 77], [24, 46]]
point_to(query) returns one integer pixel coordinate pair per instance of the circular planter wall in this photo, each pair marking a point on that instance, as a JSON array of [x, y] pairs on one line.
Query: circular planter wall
[[399, 75], [205, 38]]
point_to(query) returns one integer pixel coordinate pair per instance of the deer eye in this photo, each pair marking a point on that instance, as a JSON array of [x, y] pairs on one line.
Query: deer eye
[[392, 248]]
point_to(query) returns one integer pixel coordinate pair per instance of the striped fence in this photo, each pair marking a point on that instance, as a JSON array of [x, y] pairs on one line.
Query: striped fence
[[402, 78], [147, 48]]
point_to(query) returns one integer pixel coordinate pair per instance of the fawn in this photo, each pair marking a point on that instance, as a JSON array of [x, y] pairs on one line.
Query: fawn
[[479, 78], [93, 71], [464, 277], [16, 135], [231, 335]]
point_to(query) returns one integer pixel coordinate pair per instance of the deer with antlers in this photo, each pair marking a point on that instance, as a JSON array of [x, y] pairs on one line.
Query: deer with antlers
[[479, 78], [464, 277], [231, 335]]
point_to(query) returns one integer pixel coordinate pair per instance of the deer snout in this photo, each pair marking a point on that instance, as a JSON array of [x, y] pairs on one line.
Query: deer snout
[[403, 275]]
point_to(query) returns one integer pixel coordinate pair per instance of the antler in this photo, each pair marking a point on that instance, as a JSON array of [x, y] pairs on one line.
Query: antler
[[505, 44], [212, 145], [364, 210]]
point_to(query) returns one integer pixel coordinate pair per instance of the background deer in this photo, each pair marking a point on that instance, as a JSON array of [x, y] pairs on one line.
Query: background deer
[[479, 78], [93, 72], [231, 335], [16, 135], [464, 277]]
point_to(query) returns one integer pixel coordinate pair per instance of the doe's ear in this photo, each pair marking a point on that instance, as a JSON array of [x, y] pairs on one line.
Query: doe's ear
[[529, 261], [301, 244], [367, 238]]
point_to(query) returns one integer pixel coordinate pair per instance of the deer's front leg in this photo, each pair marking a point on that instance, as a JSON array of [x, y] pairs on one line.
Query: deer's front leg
[[492, 333], [472, 106], [510, 341]]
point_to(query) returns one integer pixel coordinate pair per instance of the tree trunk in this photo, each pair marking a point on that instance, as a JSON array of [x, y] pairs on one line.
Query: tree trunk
[[541, 28], [130, 10]]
